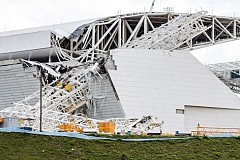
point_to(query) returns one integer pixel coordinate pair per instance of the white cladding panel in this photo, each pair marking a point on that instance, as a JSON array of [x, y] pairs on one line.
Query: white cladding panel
[[65, 27], [211, 117], [156, 82], [23, 42]]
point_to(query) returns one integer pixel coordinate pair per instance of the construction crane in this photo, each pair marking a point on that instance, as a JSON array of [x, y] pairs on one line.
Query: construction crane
[[151, 8]]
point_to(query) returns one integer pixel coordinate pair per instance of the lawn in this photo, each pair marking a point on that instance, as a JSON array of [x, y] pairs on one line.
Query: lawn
[[27, 146]]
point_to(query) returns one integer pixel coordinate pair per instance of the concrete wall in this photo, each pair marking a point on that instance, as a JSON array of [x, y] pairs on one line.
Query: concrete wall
[[155, 82]]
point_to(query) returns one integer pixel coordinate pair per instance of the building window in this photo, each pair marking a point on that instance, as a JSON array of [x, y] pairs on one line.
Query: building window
[[180, 111]]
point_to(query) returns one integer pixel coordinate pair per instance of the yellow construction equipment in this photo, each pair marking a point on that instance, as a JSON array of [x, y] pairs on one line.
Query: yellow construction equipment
[[106, 127], [70, 127], [1, 120], [59, 84], [67, 87]]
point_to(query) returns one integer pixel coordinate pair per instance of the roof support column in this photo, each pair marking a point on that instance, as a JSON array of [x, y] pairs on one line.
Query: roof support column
[[97, 35], [119, 32], [145, 24], [235, 28], [101, 34], [124, 32], [213, 30], [93, 37]]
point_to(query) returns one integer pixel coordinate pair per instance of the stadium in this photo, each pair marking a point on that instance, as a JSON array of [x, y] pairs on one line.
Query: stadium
[[121, 68]]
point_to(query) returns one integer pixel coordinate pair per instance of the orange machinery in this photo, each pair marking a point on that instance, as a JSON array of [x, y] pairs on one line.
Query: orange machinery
[[70, 127], [1, 120], [106, 127]]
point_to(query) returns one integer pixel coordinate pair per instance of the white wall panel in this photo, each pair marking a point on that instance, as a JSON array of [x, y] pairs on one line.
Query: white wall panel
[[23, 42], [211, 117], [155, 82]]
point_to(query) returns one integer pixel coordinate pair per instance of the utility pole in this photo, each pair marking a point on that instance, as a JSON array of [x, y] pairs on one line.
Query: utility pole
[[40, 80]]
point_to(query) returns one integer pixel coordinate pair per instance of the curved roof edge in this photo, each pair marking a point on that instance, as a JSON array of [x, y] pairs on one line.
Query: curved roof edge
[[68, 27]]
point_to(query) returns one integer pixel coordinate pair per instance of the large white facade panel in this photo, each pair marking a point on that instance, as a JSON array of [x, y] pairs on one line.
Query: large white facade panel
[[24, 42], [211, 117], [155, 82]]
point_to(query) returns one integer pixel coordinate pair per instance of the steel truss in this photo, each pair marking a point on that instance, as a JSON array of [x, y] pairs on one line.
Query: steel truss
[[224, 70], [172, 34], [64, 99], [125, 30]]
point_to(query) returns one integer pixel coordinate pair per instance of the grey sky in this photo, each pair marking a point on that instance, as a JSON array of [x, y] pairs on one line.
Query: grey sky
[[19, 14]]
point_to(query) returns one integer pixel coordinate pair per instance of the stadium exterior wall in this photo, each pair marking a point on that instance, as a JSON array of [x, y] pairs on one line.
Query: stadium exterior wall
[[161, 83]]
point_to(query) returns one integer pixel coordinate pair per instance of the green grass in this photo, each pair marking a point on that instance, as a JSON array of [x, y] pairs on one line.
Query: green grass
[[132, 136], [26, 146]]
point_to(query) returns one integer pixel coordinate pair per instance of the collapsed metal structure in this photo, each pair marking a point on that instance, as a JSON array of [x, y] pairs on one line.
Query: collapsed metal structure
[[181, 31], [67, 95], [228, 73]]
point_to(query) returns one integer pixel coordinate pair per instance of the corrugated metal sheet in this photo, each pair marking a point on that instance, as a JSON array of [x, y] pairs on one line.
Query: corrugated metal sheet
[[108, 106], [16, 84]]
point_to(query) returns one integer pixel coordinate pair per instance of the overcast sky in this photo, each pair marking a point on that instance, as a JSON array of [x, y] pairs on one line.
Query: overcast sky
[[19, 14]]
